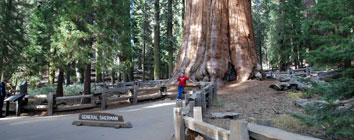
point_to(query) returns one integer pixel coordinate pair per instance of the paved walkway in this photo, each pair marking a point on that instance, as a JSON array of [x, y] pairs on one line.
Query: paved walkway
[[151, 121]]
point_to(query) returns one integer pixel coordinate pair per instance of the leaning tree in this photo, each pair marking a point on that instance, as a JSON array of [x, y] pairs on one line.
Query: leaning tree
[[217, 34]]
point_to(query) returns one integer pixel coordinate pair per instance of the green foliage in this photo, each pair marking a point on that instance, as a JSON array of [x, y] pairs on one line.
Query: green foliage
[[335, 89], [332, 32], [285, 41], [336, 120], [44, 90], [328, 39], [12, 36], [71, 90], [333, 120], [143, 17]]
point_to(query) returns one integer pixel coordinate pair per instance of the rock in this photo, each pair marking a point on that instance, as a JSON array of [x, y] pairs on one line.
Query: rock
[[291, 83], [230, 115], [275, 86], [269, 75], [304, 102], [259, 76], [294, 84], [252, 119], [301, 74], [284, 86], [283, 79], [265, 122]]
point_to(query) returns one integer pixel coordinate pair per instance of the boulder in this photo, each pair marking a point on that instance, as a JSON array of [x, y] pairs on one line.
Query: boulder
[[259, 76], [229, 115], [275, 86], [280, 86], [295, 84], [304, 102], [264, 122], [283, 79]]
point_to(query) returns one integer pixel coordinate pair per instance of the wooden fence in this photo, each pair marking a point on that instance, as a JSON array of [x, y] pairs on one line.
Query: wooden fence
[[203, 98], [105, 95], [296, 72], [188, 122]]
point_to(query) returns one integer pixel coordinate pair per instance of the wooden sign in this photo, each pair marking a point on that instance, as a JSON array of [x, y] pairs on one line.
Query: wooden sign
[[14, 97], [101, 117], [102, 120]]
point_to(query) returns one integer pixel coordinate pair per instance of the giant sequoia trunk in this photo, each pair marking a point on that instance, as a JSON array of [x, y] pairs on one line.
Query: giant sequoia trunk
[[217, 32]]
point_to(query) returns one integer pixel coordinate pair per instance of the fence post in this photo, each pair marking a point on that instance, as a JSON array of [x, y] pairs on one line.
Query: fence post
[[215, 90], [178, 103], [50, 103], [239, 130], [191, 105], [203, 100], [198, 115], [186, 98], [179, 124], [23, 90], [198, 99], [7, 108], [104, 99], [308, 71], [210, 95], [135, 96], [18, 107]]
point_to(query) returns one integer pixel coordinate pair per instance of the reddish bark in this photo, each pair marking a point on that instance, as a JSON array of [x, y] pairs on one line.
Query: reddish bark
[[217, 32]]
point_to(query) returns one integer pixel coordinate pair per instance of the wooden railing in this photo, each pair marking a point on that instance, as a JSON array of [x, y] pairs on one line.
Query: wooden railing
[[188, 122], [203, 98], [122, 91]]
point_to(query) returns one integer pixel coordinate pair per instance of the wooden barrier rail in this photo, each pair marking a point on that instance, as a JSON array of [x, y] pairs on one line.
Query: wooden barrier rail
[[98, 97], [120, 89], [188, 118], [239, 129]]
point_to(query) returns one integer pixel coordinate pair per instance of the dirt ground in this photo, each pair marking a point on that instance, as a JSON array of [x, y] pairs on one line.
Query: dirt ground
[[255, 99]]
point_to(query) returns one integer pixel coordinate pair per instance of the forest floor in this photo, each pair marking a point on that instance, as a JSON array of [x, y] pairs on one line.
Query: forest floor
[[255, 100]]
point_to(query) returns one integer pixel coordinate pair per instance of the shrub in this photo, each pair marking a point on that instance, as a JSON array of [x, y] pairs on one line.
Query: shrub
[[336, 120], [70, 90]]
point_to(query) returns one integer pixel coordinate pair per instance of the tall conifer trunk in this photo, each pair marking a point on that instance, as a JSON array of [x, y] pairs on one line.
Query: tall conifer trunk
[[60, 90], [157, 71], [217, 32], [170, 38]]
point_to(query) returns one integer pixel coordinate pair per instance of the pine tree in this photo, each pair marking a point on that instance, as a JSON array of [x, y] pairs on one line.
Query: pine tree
[[157, 69], [12, 36], [286, 43]]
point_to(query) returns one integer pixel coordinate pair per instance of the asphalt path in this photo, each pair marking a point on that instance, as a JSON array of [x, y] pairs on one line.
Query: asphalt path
[[151, 121]]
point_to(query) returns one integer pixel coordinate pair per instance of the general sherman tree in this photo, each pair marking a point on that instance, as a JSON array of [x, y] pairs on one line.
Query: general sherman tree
[[217, 32]]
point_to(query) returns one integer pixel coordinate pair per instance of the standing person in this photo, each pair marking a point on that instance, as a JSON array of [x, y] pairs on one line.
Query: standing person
[[2, 95], [182, 83]]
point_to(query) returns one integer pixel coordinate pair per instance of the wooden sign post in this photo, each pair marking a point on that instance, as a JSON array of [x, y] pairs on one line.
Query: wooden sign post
[[102, 120]]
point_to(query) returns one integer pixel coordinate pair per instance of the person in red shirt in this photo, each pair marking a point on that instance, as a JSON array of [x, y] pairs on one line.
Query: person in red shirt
[[182, 83]]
